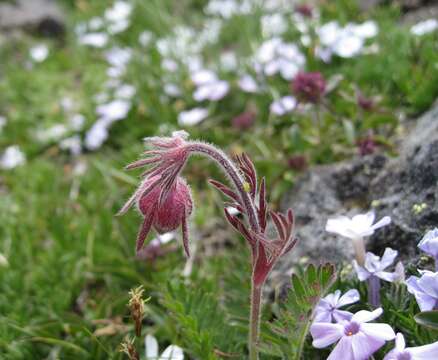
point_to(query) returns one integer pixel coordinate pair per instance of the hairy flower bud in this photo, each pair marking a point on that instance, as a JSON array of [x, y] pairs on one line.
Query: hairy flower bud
[[309, 87], [243, 121], [170, 213]]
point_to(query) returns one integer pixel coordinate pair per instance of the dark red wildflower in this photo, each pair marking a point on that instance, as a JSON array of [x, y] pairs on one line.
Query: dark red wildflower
[[305, 10], [366, 104], [366, 145], [297, 162], [163, 198], [168, 214], [243, 121], [309, 87]]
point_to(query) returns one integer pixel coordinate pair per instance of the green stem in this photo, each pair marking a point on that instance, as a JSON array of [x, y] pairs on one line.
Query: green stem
[[303, 337], [254, 321]]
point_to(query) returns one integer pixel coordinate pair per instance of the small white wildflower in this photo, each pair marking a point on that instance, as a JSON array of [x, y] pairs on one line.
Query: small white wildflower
[[192, 117], [283, 105], [248, 84], [145, 38], [273, 25], [72, 144], [358, 226], [12, 157], [77, 122], [97, 134], [97, 39], [172, 352], [424, 27], [114, 110], [39, 53], [172, 90], [125, 91]]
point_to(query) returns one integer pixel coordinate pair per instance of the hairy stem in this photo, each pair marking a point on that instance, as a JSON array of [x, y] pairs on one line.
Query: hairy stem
[[254, 320], [230, 169], [250, 210]]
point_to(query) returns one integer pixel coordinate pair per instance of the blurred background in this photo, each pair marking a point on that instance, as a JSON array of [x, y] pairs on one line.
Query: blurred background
[[294, 84]]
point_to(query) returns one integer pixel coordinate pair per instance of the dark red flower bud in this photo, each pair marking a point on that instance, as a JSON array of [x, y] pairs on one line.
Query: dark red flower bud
[[243, 121], [304, 10], [297, 162], [309, 87], [165, 214], [366, 145], [366, 104]]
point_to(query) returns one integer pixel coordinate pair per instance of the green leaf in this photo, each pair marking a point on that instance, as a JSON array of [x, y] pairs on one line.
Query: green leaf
[[428, 319], [288, 333]]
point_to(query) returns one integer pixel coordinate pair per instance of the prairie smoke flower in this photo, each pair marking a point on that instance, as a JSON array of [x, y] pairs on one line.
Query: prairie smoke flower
[[164, 199], [401, 352], [304, 10], [297, 162], [309, 87], [425, 290], [365, 103], [172, 352], [429, 244], [328, 308], [356, 229], [358, 339], [366, 145], [243, 121]]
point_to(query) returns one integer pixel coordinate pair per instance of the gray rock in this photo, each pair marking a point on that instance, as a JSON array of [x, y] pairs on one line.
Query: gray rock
[[406, 5], [405, 188], [41, 16]]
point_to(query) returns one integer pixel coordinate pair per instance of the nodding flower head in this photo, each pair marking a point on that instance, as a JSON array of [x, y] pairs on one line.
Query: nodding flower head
[[244, 121], [163, 197], [309, 87]]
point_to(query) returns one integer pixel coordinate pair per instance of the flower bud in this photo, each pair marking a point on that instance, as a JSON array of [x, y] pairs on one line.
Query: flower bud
[[243, 121], [176, 206], [309, 87]]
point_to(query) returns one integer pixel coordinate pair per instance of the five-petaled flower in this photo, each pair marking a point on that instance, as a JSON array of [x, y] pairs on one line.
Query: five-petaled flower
[[356, 229], [425, 290], [357, 339], [375, 266], [401, 352], [358, 226], [429, 243], [328, 308]]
